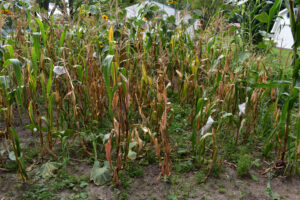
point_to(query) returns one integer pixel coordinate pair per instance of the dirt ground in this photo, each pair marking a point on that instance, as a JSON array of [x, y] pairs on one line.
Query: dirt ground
[[181, 186], [226, 187], [177, 186]]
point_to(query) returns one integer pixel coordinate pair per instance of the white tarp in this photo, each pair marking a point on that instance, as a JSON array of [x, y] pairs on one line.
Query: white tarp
[[57, 10], [133, 11], [283, 36], [191, 29]]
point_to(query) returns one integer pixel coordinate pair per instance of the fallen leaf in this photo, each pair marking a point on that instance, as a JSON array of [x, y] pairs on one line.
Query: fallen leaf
[[48, 169], [101, 175]]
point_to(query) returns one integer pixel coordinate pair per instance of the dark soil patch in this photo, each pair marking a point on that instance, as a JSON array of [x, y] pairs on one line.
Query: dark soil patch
[[178, 186]]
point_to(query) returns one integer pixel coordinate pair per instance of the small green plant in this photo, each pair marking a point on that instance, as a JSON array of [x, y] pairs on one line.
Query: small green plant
[[244, 165], [174, 179], [222, 190], [153, 198], [135, 171], [184, 166], [173, 197], [269, 191], [230, 150], [199, 176], [216, 169], [124, 180], [124, 195]]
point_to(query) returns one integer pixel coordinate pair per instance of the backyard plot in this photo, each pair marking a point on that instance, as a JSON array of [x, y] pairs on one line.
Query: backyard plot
[[95, 105]]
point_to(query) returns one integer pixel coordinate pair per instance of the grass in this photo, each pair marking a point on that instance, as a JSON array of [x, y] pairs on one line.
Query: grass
[[62, 182], [282, 53]]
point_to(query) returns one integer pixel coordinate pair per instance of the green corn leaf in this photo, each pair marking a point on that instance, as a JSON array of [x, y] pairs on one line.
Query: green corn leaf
[[36, 44], [34, 61], [29, 18], [42, 29], [17, 67], [50, 108], [5, 81], [262, 17], [10, 51], [43, 83], [107, 73], [298, 136], [50, 80], [272, 12], [297, 40], [16, 139], [289, 5], [200, 105], [62, 37], [18, 156], [79, 72], [34, 67], [272, 84], [217, 61]]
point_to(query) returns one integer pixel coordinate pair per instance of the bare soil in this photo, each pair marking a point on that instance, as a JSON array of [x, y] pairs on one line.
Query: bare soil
[[178, 186], [183, 186]]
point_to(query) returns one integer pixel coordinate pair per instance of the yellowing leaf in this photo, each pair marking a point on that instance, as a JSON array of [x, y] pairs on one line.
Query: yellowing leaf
[[111, 34], [48, 168]]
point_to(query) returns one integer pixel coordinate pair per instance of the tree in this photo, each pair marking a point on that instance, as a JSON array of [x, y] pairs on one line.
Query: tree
[[44, 4]]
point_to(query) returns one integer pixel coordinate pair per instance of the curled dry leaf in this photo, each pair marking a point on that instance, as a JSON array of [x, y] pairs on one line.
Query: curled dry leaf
[[207, 126], [108, 150], [242, 108], [138, 140], [59, 70]]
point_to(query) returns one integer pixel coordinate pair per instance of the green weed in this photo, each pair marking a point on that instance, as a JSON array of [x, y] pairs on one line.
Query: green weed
[[244, 165]]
